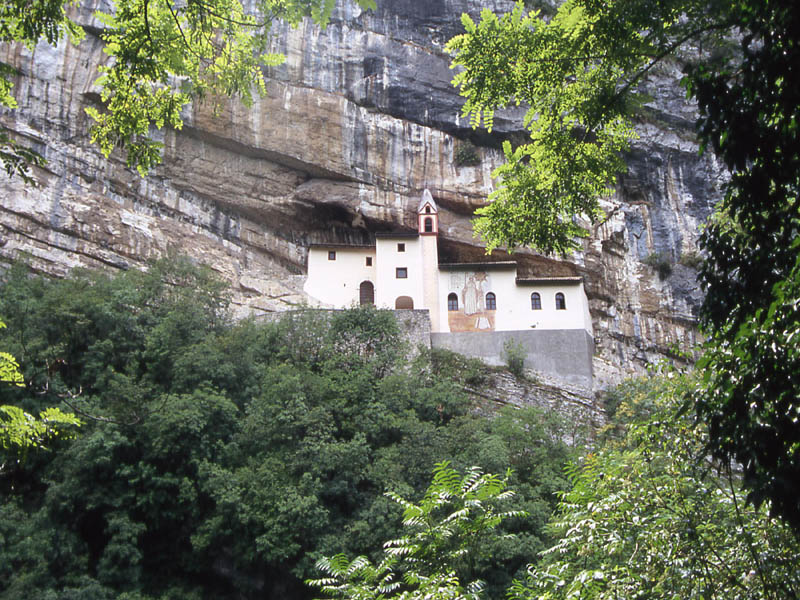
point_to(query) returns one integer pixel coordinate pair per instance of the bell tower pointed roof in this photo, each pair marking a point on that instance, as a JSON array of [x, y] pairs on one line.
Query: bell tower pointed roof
[[427, 200]]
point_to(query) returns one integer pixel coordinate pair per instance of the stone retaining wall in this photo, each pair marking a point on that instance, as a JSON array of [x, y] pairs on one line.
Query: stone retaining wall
[[563, 354]]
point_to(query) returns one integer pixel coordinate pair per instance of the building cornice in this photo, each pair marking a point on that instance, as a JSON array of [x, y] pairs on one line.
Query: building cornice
[[543, 280], [509, 264], [344, 246], [397, 234]]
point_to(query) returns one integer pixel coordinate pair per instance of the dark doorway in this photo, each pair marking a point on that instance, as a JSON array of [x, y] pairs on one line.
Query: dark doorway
[[366, 293]]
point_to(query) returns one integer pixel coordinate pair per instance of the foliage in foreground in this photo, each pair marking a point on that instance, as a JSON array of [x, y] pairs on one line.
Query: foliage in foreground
[[445, 534], [20, 431], [578, 74], [650, 516], [750, 117], [223, 459], [575, 72]]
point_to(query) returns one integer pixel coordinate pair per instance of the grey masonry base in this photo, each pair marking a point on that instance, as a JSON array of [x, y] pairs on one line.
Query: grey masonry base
[[562, 353]]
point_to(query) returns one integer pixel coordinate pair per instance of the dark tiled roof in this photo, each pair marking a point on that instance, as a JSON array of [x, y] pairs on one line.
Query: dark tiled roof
[[397, 234], [344, 246], [535, 280], [508, 264]]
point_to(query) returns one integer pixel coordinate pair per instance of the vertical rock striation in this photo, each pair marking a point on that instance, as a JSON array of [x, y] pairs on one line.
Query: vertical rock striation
[[357, 122]]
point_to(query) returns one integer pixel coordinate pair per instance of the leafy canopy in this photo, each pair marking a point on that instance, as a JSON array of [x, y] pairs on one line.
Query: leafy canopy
[[163, 54], [223, 459], [445, 532], [648, 516], [749, 116], [20, 430], [576, 74]]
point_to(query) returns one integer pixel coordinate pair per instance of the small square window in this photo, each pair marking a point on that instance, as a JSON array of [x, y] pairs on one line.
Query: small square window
[[331, 255], [401, 273], [401, 247], [369, 261]]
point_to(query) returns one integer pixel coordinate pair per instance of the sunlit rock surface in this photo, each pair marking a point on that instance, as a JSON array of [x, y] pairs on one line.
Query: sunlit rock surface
[[358, 121]]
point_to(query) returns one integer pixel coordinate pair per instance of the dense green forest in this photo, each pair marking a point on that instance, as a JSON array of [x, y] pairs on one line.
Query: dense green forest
[[220, 459]]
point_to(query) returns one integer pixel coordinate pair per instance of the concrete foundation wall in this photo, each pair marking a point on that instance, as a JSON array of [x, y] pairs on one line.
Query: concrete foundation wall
[[562, 353]]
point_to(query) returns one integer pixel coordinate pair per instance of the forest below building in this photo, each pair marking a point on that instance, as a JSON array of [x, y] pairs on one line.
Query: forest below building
[[240, 459], [221, 459]]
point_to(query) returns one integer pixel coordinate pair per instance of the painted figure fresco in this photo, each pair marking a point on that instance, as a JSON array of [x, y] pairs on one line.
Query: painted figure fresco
[[472, 313]]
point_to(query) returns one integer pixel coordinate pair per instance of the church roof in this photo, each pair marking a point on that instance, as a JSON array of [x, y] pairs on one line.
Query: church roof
[[506, 264], [427, 199], [541, 280], [340, 245], [397, 234]]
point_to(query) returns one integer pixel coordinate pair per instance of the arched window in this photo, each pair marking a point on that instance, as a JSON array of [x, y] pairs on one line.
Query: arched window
[[561, 303], [536, 301], [404, 303], [491, 301], [366, 293], [428, 225], [452, 302], [428, 208]]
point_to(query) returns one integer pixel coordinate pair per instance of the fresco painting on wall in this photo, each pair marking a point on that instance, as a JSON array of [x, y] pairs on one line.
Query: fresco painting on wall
[[471, 288]]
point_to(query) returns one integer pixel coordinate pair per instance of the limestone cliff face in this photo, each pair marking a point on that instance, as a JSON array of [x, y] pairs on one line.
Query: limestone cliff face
[[358, 121]]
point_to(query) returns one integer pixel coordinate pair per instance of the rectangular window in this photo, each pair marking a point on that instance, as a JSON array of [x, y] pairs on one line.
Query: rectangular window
[[369, 261], [331, 255], [401, 273], [401, 247]]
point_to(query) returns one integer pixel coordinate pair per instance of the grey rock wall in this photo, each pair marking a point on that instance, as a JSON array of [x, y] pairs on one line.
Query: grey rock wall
[[358, 121]]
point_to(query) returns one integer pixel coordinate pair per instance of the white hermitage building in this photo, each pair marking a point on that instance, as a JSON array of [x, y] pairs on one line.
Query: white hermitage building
[[402, 271]]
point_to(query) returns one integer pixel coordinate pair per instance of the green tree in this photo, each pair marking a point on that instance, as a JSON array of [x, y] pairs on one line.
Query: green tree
[[9, 368], [225, 458], [163, 55], [646, 518], [577, 72], [444, 535], [750, 116], [20, 430]]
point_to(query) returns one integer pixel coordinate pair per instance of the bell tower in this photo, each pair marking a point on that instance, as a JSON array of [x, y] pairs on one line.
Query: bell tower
[[428, 215], [428, 227]]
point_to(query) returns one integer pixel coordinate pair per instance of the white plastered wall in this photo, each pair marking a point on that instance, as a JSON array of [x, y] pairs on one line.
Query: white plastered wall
[[336, 283], [514, 311], [430, 278], [576, 315], [388, 287]]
